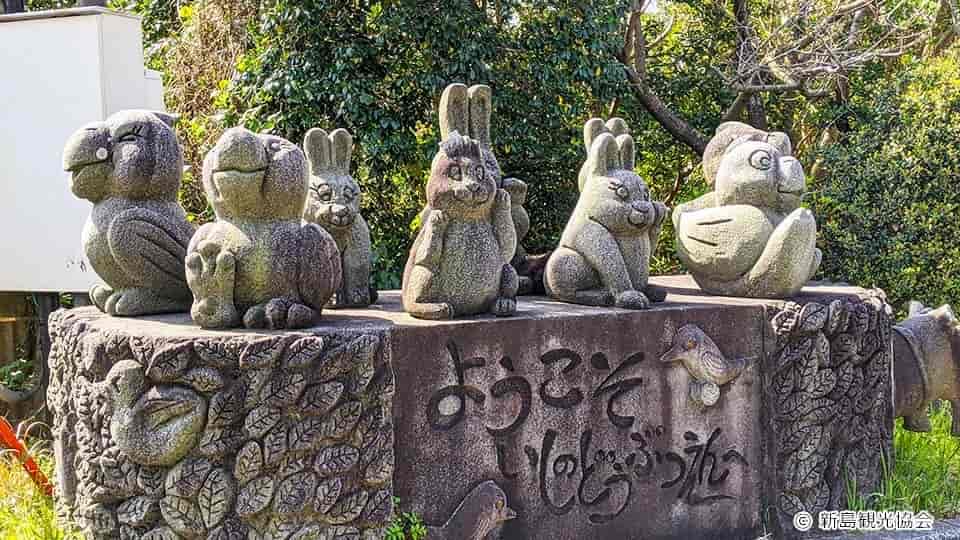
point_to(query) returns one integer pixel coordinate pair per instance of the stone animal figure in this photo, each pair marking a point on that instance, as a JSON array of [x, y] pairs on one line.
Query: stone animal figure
[[709, 369], [749, 237], [258, 263], [460, 261], [481, 511], [155, 425], [926, 365], [333, 203], [604, 254], [467, 111], [129, 167]]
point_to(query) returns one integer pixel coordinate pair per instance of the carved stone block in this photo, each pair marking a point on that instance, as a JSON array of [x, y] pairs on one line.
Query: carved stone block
[[166, 431], [702, 417], [829, 401]]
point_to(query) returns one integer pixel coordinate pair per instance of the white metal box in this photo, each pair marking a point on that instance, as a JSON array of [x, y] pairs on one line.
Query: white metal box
[[58, 71]]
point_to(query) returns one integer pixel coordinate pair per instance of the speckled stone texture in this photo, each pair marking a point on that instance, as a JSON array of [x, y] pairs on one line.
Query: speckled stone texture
[[333, 203], [604, 254], [468, 111], [749, 237], [258, 264], [926, 365], [129, 167], [166, 431], [564, 422], [460, 261]]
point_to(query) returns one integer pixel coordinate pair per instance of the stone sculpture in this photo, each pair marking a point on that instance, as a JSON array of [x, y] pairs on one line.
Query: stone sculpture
[[926, 365], [749, 236], [708, 368], [129, 167], [479, 513], [604, 254], [168, 432], [467, 111], [334, 204], [460, 261], [257, 263]]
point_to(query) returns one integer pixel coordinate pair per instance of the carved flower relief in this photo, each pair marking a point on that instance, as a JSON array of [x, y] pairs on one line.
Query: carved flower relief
[[153, 424]]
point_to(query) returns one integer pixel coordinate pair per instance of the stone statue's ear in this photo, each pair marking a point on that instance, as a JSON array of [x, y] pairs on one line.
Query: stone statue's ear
[[316, 145], [453, 110], [481, 106], [916, 308], [782, 141], [591, 129], [732, 125], [604, 155], [618, 126], [627, 154], [167, 118], [341, 143]]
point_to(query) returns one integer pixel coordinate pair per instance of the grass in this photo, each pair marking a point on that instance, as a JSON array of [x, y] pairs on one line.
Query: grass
[[926, 476], [25, 512]]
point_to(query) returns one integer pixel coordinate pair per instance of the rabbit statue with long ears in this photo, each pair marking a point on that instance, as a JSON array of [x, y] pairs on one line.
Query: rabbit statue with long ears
[[467, 111], [604, 254], [333, 203]]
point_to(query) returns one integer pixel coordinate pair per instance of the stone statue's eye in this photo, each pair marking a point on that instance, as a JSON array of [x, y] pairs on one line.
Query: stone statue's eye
[[454, 172], [623, 192], [479, 172], [761, 160], [129, 137]]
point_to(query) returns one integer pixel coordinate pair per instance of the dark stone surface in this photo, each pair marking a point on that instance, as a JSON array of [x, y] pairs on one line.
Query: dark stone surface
[[570, 411]]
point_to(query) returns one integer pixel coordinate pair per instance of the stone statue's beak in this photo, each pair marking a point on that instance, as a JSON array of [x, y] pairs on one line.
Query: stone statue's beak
[[86, 157], [675, 354]]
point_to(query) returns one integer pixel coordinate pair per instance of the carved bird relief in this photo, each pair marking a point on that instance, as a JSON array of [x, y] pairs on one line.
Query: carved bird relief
[[480, 512], [708, 367]]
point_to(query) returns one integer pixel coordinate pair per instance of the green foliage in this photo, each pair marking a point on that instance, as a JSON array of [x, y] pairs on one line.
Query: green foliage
[[406, 526], [18, 375], [926, 474], [888, 202]]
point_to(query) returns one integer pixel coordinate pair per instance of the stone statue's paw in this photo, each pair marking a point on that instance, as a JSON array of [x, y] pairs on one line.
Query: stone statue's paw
[[632, 300], [279, 313], [723, 243], [133, 302], [99, 294], [211, 274], [504, 307]]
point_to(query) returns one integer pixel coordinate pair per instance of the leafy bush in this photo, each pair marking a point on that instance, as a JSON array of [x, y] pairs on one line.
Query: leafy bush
[[18, 375], [406, 526], [888, 206]]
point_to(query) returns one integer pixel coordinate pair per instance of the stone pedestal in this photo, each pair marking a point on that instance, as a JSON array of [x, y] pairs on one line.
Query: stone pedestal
[[571, 410]]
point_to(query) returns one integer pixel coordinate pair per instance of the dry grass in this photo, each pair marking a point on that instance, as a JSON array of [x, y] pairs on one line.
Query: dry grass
[[198, 63], [25, 512]]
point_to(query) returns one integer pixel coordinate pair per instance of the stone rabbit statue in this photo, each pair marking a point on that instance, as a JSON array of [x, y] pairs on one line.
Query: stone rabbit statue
[[129, 166], [467, 111], [258, 263], [749, 236], [460, 261], [926, 365], [333, 203], [604, 254]]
